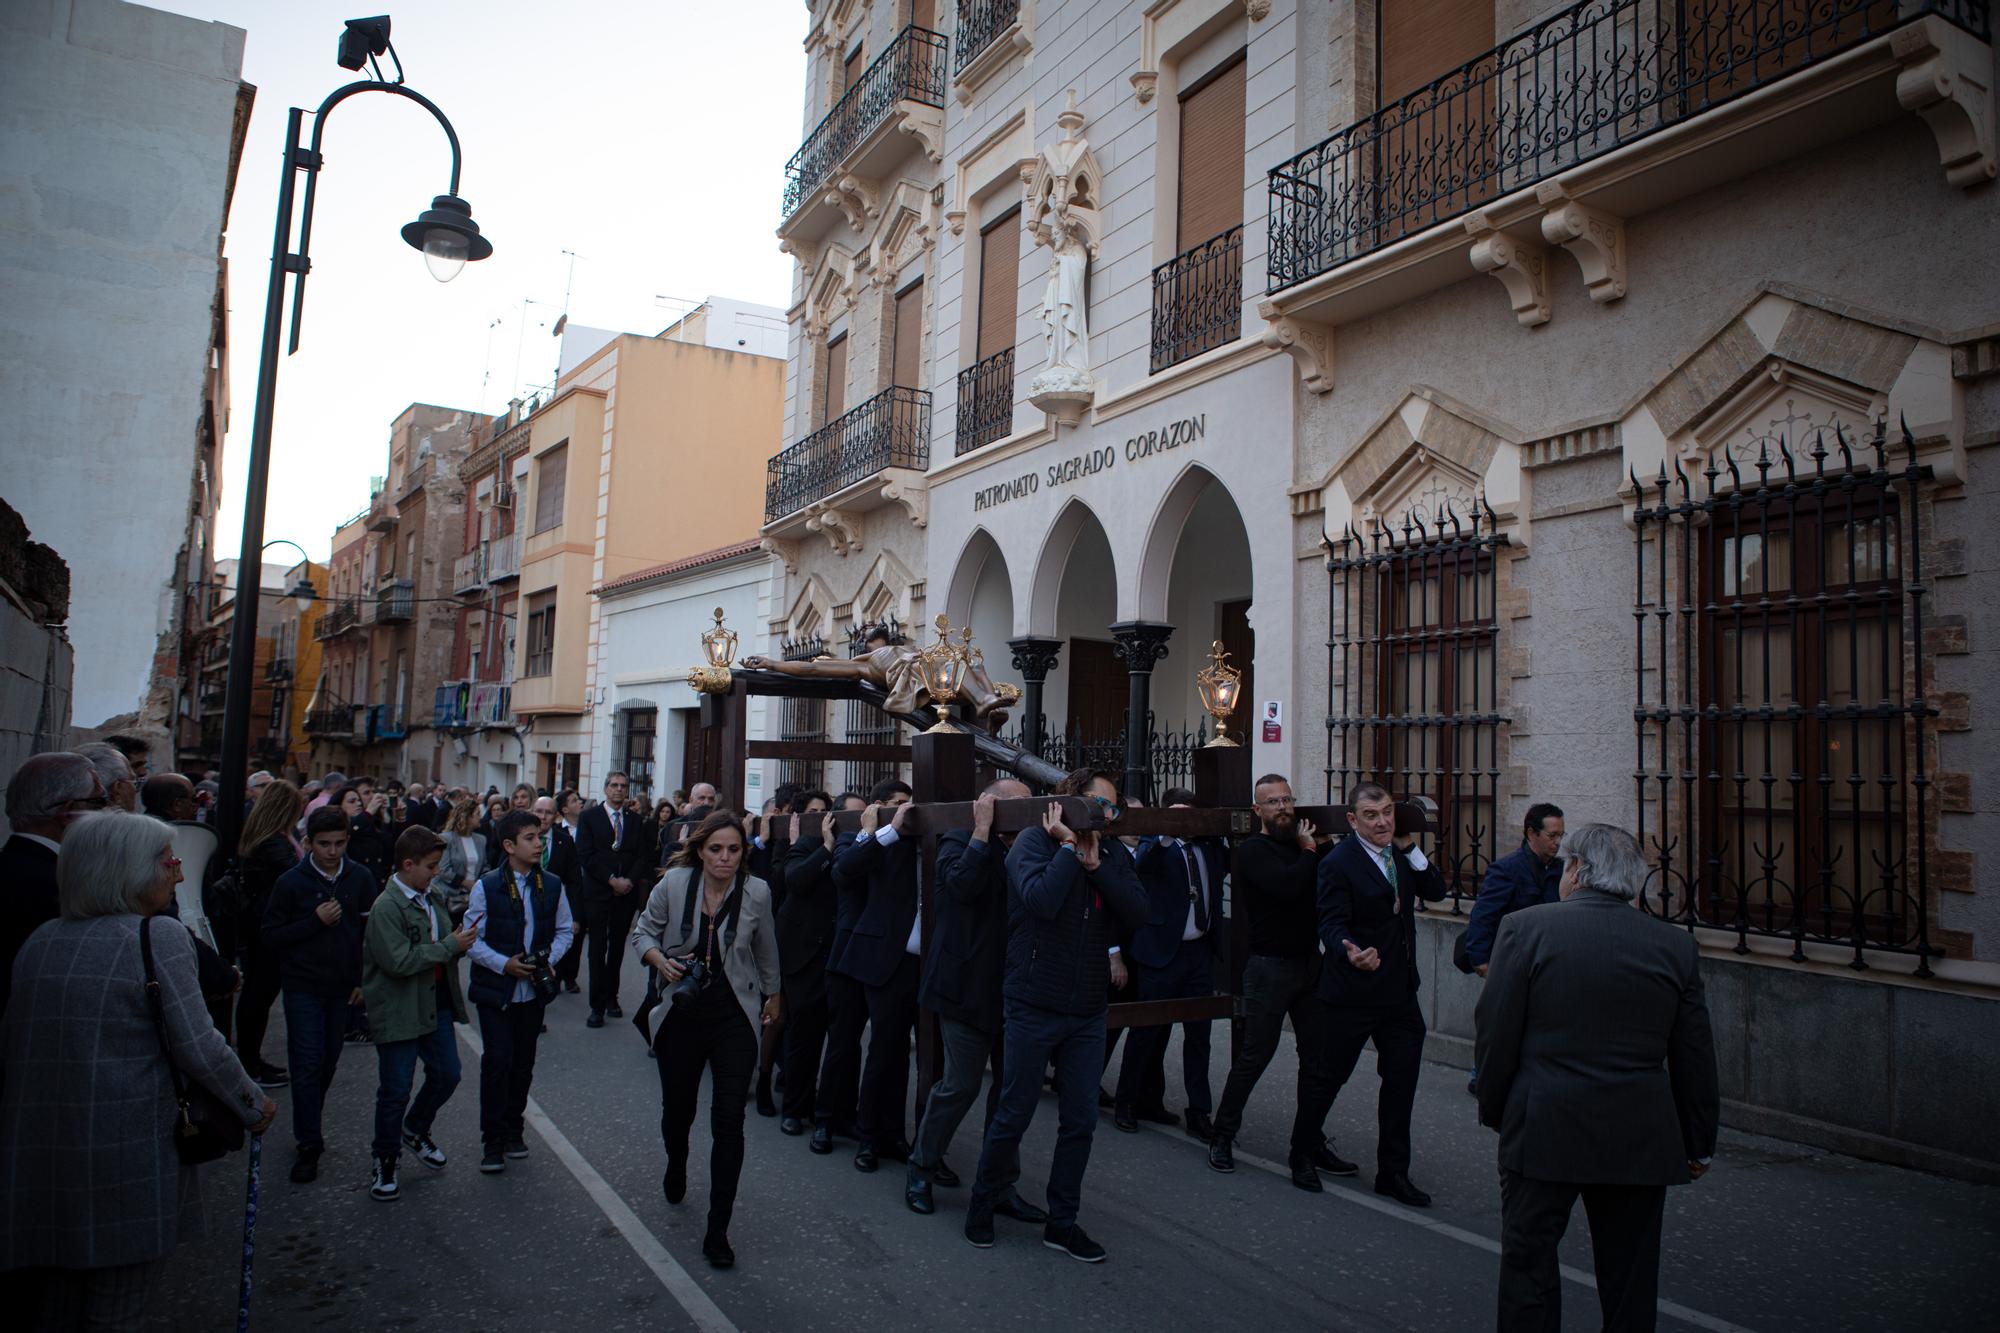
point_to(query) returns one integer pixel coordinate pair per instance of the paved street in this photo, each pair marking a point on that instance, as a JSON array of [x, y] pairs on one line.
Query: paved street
[[1777, 1237]]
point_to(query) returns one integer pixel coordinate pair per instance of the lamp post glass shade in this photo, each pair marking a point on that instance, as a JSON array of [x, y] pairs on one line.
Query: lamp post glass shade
[[719, 644], [1219, 685], [944, 665], [303, 594], [448, 236]]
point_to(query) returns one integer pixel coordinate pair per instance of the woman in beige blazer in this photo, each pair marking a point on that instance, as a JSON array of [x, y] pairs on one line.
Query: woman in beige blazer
[[709, 923]]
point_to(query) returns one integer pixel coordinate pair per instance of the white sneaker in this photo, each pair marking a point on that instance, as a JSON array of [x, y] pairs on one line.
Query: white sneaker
[[426, 1151], [383, 1187]]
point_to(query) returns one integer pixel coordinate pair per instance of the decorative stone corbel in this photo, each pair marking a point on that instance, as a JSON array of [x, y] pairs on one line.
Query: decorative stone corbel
[[1521, 266], [913, 492], [1595, 237], [1946, 78], [836, 527], [786, 552], [1145, 83], [858, 199], [955, 219], [1258, 10], [804, 251], [1310, 344], [925, 124]]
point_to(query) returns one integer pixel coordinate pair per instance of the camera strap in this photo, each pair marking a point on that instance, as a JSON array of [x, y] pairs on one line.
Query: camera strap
[[732, 907]]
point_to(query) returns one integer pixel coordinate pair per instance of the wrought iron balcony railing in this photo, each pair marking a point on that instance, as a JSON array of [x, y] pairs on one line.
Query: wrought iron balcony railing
[[892, 429], [1591, 79], [278, 670], [1198, 300], [468, 572], [395, 602], [340, 616], [386, 722], [979, 22], [911, 70], [330, 719], [985, 401], [465, 703]]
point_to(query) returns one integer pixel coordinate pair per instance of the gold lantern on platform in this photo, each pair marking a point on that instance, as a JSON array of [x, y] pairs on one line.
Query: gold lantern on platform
[[944, 665], [1220, 686], [718, 645]]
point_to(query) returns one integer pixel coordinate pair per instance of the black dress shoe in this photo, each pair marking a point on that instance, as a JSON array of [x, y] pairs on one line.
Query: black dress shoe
[[866, 1158], [1332, 1163], [596, 1019], [765, 1105], [1124, 1119], [791, 1126], [305, 1167], [571, 988], [1199, 1126], [1021, 1210], [676, 1181], [899, 1151], [1158, 1115], [715, 1249], [821, 1141], [1104, 1098], [1305, 1177], [943, 1176], [979, 1229], [613, 1011], [1403, 1190], [1220, 1156], [917, 1192]]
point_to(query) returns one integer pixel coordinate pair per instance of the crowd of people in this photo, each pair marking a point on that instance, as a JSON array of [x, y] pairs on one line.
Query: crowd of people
[[788, 964]]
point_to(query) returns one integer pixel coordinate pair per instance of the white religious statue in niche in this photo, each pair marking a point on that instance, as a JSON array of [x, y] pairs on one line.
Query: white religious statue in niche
[[1063, 188]]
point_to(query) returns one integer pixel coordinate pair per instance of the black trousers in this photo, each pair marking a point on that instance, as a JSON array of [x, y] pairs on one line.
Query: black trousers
[[1142, 1078], [707, 1030], [506, 1068], [806, 1017], [607, 924], [1398, 1032], [885, 1079], [1624, 1237], [1274, 988], [840, 1074], [253, 1003]]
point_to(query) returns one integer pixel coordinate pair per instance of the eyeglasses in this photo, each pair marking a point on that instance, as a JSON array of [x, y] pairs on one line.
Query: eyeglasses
[[1279, 800], [92, 802], [1112, 810], [171, 862]]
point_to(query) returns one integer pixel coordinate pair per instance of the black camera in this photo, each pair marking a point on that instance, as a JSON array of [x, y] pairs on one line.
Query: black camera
[[542, 977], [690, 983]]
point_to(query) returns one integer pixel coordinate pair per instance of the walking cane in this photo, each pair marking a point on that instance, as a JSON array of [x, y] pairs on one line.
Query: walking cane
[[249, 1232]]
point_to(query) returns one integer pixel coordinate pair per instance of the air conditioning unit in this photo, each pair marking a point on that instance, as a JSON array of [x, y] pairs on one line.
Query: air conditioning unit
[[503, 496]]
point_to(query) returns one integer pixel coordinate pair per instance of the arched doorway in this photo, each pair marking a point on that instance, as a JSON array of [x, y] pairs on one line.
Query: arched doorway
[[982, 596], [1075, 603], [1197, 578]]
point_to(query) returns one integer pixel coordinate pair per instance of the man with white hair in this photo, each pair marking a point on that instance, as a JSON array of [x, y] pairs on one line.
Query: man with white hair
[[115, 772], [47, 794], [1593, 1018]]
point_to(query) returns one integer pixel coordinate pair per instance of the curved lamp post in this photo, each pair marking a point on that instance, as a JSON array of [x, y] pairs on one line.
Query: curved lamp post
[[448, 238]]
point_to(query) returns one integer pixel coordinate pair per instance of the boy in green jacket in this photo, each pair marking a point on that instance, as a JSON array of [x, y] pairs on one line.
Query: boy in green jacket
[[409, 977]]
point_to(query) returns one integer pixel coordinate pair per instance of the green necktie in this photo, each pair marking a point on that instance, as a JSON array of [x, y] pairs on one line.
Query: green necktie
[[1389, 866]]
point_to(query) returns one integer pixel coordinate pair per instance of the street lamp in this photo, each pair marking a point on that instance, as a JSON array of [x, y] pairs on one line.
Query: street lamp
[[301, 594], [448, 238]]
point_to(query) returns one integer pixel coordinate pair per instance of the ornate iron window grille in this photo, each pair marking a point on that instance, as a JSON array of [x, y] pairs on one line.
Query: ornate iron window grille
[[911, 70], [803, 719], [979, 22], [985, 401], [1593, 78], [892, 429], [1169, 753], [1198, 300], [1412, 675], [1780, 706]]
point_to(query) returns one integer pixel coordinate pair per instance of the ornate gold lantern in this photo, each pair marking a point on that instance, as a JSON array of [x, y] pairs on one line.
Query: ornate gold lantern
[[718, 645], [1220, 685], [944, 665]]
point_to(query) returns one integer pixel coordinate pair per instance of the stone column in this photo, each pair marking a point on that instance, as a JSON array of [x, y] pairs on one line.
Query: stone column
[[1140, 645], [1034, 659]]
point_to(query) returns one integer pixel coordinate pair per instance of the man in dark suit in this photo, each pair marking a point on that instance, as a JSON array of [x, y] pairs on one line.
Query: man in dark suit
[[882, 955], [803, 860], [1593, 1016], [610, 850], [559, 858], [47, 794], [1368, 890], [835, 1098], [1525, 877], [1175, 954]]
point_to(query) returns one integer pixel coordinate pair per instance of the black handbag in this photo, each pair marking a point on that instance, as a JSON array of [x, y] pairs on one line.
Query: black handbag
[[205, 1127]]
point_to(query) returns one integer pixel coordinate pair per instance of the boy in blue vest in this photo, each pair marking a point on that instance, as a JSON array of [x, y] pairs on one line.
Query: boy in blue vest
[[520, 913]]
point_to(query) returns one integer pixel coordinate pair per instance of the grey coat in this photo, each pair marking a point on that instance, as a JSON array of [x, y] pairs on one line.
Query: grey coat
[[88, 1173], [453, 870], [751, 961]]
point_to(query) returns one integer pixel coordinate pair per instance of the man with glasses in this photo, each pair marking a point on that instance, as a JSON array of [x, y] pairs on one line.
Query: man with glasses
[[611, 849], [47, 794], [1275, 872]]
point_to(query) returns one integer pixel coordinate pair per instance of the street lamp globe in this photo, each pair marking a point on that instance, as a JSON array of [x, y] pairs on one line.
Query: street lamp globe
[[303, 594], [448, 237]]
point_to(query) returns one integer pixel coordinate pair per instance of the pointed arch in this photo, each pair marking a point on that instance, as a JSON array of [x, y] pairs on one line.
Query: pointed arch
[[1076, 517], [811, 610], [887, 582], [830, 292], [981, 593], [1163, 537]]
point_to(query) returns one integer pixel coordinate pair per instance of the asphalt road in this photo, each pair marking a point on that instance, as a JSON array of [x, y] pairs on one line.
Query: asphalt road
[[578, 1236]]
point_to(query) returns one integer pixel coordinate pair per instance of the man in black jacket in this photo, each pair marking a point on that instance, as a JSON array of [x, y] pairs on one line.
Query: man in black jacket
[[962, 971], [1061, 887], [560, 859], [611, 852], [46, 794], [882, 955], [809, 872], [803, 860], [1618, 1069], [1368, 890]]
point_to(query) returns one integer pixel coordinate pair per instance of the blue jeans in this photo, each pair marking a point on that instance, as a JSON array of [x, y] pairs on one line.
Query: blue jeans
[[396, 1070], [314, 1027], [1035, 1038]]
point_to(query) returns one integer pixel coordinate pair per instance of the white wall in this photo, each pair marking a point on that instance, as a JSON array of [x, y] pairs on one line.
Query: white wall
[[1211, 566], [115, 126]]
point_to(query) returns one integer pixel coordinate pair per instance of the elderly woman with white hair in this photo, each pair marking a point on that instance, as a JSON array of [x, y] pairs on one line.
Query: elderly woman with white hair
[[92, 1193]]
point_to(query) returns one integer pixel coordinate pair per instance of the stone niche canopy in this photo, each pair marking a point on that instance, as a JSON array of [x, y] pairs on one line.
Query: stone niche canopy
[[1429, 459]]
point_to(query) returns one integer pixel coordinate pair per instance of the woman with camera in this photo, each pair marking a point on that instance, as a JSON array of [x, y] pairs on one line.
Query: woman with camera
[[709, 933]]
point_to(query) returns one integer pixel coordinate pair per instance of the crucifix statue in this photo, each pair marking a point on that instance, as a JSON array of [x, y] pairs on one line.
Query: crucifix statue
[[898, 669]]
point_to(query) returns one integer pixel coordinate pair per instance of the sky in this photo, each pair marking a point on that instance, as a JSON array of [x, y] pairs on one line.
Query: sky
[[647, 136]]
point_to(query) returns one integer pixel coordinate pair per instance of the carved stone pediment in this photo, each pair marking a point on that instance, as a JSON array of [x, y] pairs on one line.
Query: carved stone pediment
[[1066, 172]]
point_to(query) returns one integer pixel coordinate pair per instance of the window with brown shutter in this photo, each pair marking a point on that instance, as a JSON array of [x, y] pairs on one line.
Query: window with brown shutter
[[923, 14], [551, 477], [836, 378], [999, 282], [851, 70], [1211, 162], [1422, 40], [1438, 157], [907, 368], [541, 626]]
